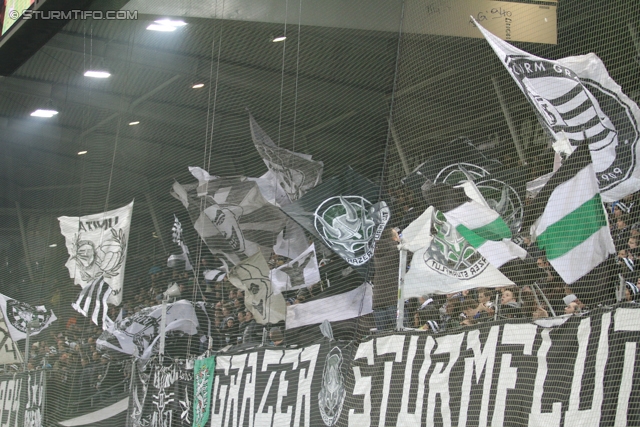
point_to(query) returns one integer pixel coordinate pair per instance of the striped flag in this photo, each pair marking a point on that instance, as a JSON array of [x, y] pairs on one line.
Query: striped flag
[[485, 230], [575, 98], [573, 227], [93, 300]]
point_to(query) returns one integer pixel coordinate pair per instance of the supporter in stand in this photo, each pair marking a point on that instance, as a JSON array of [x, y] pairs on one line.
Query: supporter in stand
[[509, 306], [276, 337], [252, 331], [620, 232], [531, 308], [473, 312], [485, 302]]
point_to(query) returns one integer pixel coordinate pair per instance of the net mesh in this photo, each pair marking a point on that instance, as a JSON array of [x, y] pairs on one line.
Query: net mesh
[[353, 134]]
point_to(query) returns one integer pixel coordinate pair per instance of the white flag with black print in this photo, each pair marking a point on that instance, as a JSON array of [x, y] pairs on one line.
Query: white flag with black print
[[97, 246], [252, 276], [19, 316], [294, 172], [576, 99], [298, 273], [92, 301]]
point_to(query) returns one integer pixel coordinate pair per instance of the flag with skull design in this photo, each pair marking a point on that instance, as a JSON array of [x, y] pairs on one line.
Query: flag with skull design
[[345, 214], [97, 246]]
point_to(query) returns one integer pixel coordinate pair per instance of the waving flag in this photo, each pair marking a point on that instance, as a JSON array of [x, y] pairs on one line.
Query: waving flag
[[252, 276], [575, 98], [485, 230], [573, 227], [231, 215], [97, 246], [299, 273], [295, 173], [93, 300], [18, 316]]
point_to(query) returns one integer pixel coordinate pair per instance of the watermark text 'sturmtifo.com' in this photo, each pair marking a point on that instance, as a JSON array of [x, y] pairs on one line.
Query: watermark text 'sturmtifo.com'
[[74, 14]]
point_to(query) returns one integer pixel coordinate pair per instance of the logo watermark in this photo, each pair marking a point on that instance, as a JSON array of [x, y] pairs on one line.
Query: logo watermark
[[74, 14]]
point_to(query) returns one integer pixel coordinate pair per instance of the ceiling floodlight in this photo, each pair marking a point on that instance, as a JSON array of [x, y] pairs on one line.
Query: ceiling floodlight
[[158, 27], [170, 23], [53, 245], [166, 25], [97, 74], [197, 86], [44, 113], [279, 39], [134, 123], [80, 153]]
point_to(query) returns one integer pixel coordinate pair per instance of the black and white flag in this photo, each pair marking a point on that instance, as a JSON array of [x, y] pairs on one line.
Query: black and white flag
[[19, 317], [298, 273], [345, 214], [252, 276], [576, 99], [97, 246], [92, 301], [230, 215], [139, 333], [294, 172]]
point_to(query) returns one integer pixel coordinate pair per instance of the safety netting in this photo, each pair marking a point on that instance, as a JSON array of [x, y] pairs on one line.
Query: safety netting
[[323, 213]]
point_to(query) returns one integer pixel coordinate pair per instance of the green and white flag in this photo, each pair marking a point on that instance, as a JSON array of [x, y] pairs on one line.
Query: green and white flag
[[485, 230], [573, 227], [203, 372]]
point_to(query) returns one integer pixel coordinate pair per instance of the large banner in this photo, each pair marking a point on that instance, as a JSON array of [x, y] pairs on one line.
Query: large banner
[[161, 396], [97, 246], [567, 371], [22, 399]]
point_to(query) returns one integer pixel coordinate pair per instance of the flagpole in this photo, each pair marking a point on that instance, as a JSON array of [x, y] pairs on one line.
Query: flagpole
[[507, 116], [401, 272]]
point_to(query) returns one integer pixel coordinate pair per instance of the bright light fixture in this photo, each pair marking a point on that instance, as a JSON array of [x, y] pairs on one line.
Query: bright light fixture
[[170, 23], [53, 245], [197, 86], [166, 25], [80, 153], [134, 123], [279, 39], [44, 113], [97, 74], [157, 27]]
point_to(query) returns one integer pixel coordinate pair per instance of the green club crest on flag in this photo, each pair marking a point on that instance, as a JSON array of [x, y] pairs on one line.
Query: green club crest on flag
[[202, 380]]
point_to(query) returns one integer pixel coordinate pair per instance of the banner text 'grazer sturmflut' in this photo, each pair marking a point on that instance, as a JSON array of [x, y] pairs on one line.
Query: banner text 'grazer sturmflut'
[[568, 371]]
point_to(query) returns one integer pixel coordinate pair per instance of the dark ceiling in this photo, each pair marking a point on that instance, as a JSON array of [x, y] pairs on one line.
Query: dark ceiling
[[326, 91]]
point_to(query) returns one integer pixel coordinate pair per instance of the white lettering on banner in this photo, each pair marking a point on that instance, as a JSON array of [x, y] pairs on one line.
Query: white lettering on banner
[[405, 418], [10, 405], [391, 344], [237, 362], [536, 417], [481, 359], [271, 357], [588, 417], [626, 319], [362, 387], [309, 354], [249, 389], [403, 415], [511, 335], [219, 392], [32, 413], [284, 418], [439, 380]]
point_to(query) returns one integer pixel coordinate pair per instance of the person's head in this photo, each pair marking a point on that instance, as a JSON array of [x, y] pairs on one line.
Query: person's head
[[241, 316], [622, 253], [248, 316], [507, 296], [572, 308], [484, 295], [230, 322], [275, 334], [542, 262], [621, 223], [633, 242]]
